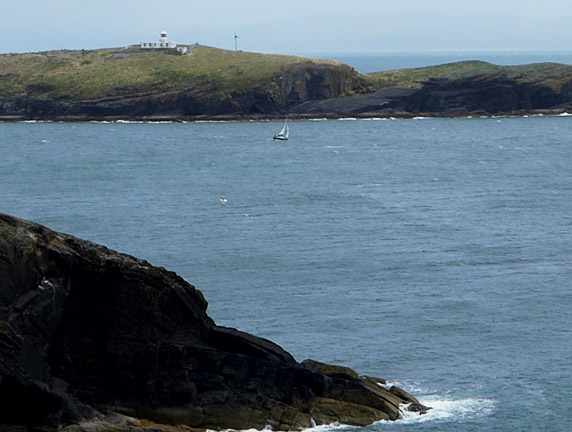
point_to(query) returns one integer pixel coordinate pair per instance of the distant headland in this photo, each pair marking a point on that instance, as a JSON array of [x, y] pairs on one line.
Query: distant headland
[[168, 81]]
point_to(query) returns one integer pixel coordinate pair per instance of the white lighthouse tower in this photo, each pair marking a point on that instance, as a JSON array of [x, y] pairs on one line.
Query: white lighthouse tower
[[164, 43]]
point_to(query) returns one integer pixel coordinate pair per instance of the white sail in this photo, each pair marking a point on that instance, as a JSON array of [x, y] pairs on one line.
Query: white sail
[[284, 132]]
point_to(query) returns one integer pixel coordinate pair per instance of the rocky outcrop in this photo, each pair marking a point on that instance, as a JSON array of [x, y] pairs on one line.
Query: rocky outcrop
[[386, 101], [299, 83], [483, 93], [217, 84], [488, 93], [95, 340]]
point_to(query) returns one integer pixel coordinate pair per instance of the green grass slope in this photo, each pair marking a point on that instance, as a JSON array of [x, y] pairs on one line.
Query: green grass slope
[[101, 73], [552, 75]]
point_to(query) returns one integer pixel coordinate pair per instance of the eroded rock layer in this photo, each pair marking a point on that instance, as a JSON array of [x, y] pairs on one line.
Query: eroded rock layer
[[92, 339]]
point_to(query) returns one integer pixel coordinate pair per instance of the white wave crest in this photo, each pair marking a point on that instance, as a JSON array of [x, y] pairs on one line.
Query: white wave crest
[[315, 428], [441, 410], [444, 409]]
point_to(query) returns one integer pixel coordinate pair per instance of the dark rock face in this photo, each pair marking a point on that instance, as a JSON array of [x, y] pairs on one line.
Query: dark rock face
[[384, 101], [298, 84], [86, 331], [310, 90], [483, 94], [488, 93]]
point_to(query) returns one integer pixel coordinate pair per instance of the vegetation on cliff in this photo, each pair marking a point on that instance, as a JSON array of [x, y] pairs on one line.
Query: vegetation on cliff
[[553, 75], [138, 84], [106, 72], [457, 89], [127, 82]]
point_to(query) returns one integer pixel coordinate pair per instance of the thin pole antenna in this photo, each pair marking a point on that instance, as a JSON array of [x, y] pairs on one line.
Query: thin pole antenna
[[236, 42]]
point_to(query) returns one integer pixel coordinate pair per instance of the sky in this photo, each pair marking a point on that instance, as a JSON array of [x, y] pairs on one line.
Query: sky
[[290, 27]]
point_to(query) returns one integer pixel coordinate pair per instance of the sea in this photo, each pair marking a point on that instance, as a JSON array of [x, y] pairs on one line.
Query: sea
[[434, 253], [365, 62]]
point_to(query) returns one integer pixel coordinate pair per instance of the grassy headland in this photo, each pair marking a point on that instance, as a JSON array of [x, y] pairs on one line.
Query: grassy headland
[[552, 75], [138, 84], [99, 73]]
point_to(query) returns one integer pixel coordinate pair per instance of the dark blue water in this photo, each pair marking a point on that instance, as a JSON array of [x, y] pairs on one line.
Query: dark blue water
[[375, 62], [436, 253]]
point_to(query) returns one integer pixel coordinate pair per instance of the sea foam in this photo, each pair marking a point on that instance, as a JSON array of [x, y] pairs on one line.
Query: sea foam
[[450, 409], [442, 410]]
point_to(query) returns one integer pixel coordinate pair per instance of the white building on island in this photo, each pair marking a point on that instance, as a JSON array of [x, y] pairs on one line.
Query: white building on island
[[164, 43]]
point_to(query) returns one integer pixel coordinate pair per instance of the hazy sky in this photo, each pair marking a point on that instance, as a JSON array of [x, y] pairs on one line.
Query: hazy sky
[[290, 26]]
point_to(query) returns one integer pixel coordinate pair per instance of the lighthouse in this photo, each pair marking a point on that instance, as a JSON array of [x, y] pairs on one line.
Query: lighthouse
[[164, 43]]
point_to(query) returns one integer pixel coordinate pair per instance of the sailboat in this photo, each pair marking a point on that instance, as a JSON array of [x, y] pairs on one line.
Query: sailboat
[[284, 132]]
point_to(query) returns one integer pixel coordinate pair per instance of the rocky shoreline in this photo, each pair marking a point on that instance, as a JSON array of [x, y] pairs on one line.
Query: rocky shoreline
[[402, 115], [95, 340], [211, 84]]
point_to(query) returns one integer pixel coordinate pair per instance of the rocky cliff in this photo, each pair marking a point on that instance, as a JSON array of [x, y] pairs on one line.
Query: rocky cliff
[[474, 87], [95, 340], [468, 88], [488, 94], [208, 82], [215, 83], [298, 84]]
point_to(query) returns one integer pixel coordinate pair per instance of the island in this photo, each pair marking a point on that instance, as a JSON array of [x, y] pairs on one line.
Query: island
[[194, 82], [96, 340]]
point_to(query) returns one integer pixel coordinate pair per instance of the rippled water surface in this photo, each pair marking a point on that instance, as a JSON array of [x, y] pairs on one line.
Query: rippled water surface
[[435, 253], [383, 61]]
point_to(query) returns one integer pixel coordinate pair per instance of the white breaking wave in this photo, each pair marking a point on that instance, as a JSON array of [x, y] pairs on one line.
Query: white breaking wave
[[442, 409], [445, 409], [370, 185], [327, 428], [317, 428], [210, 121]]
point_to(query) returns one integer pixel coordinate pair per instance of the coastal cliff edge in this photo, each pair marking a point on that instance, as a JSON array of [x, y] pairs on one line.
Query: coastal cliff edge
[[96, 340]]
